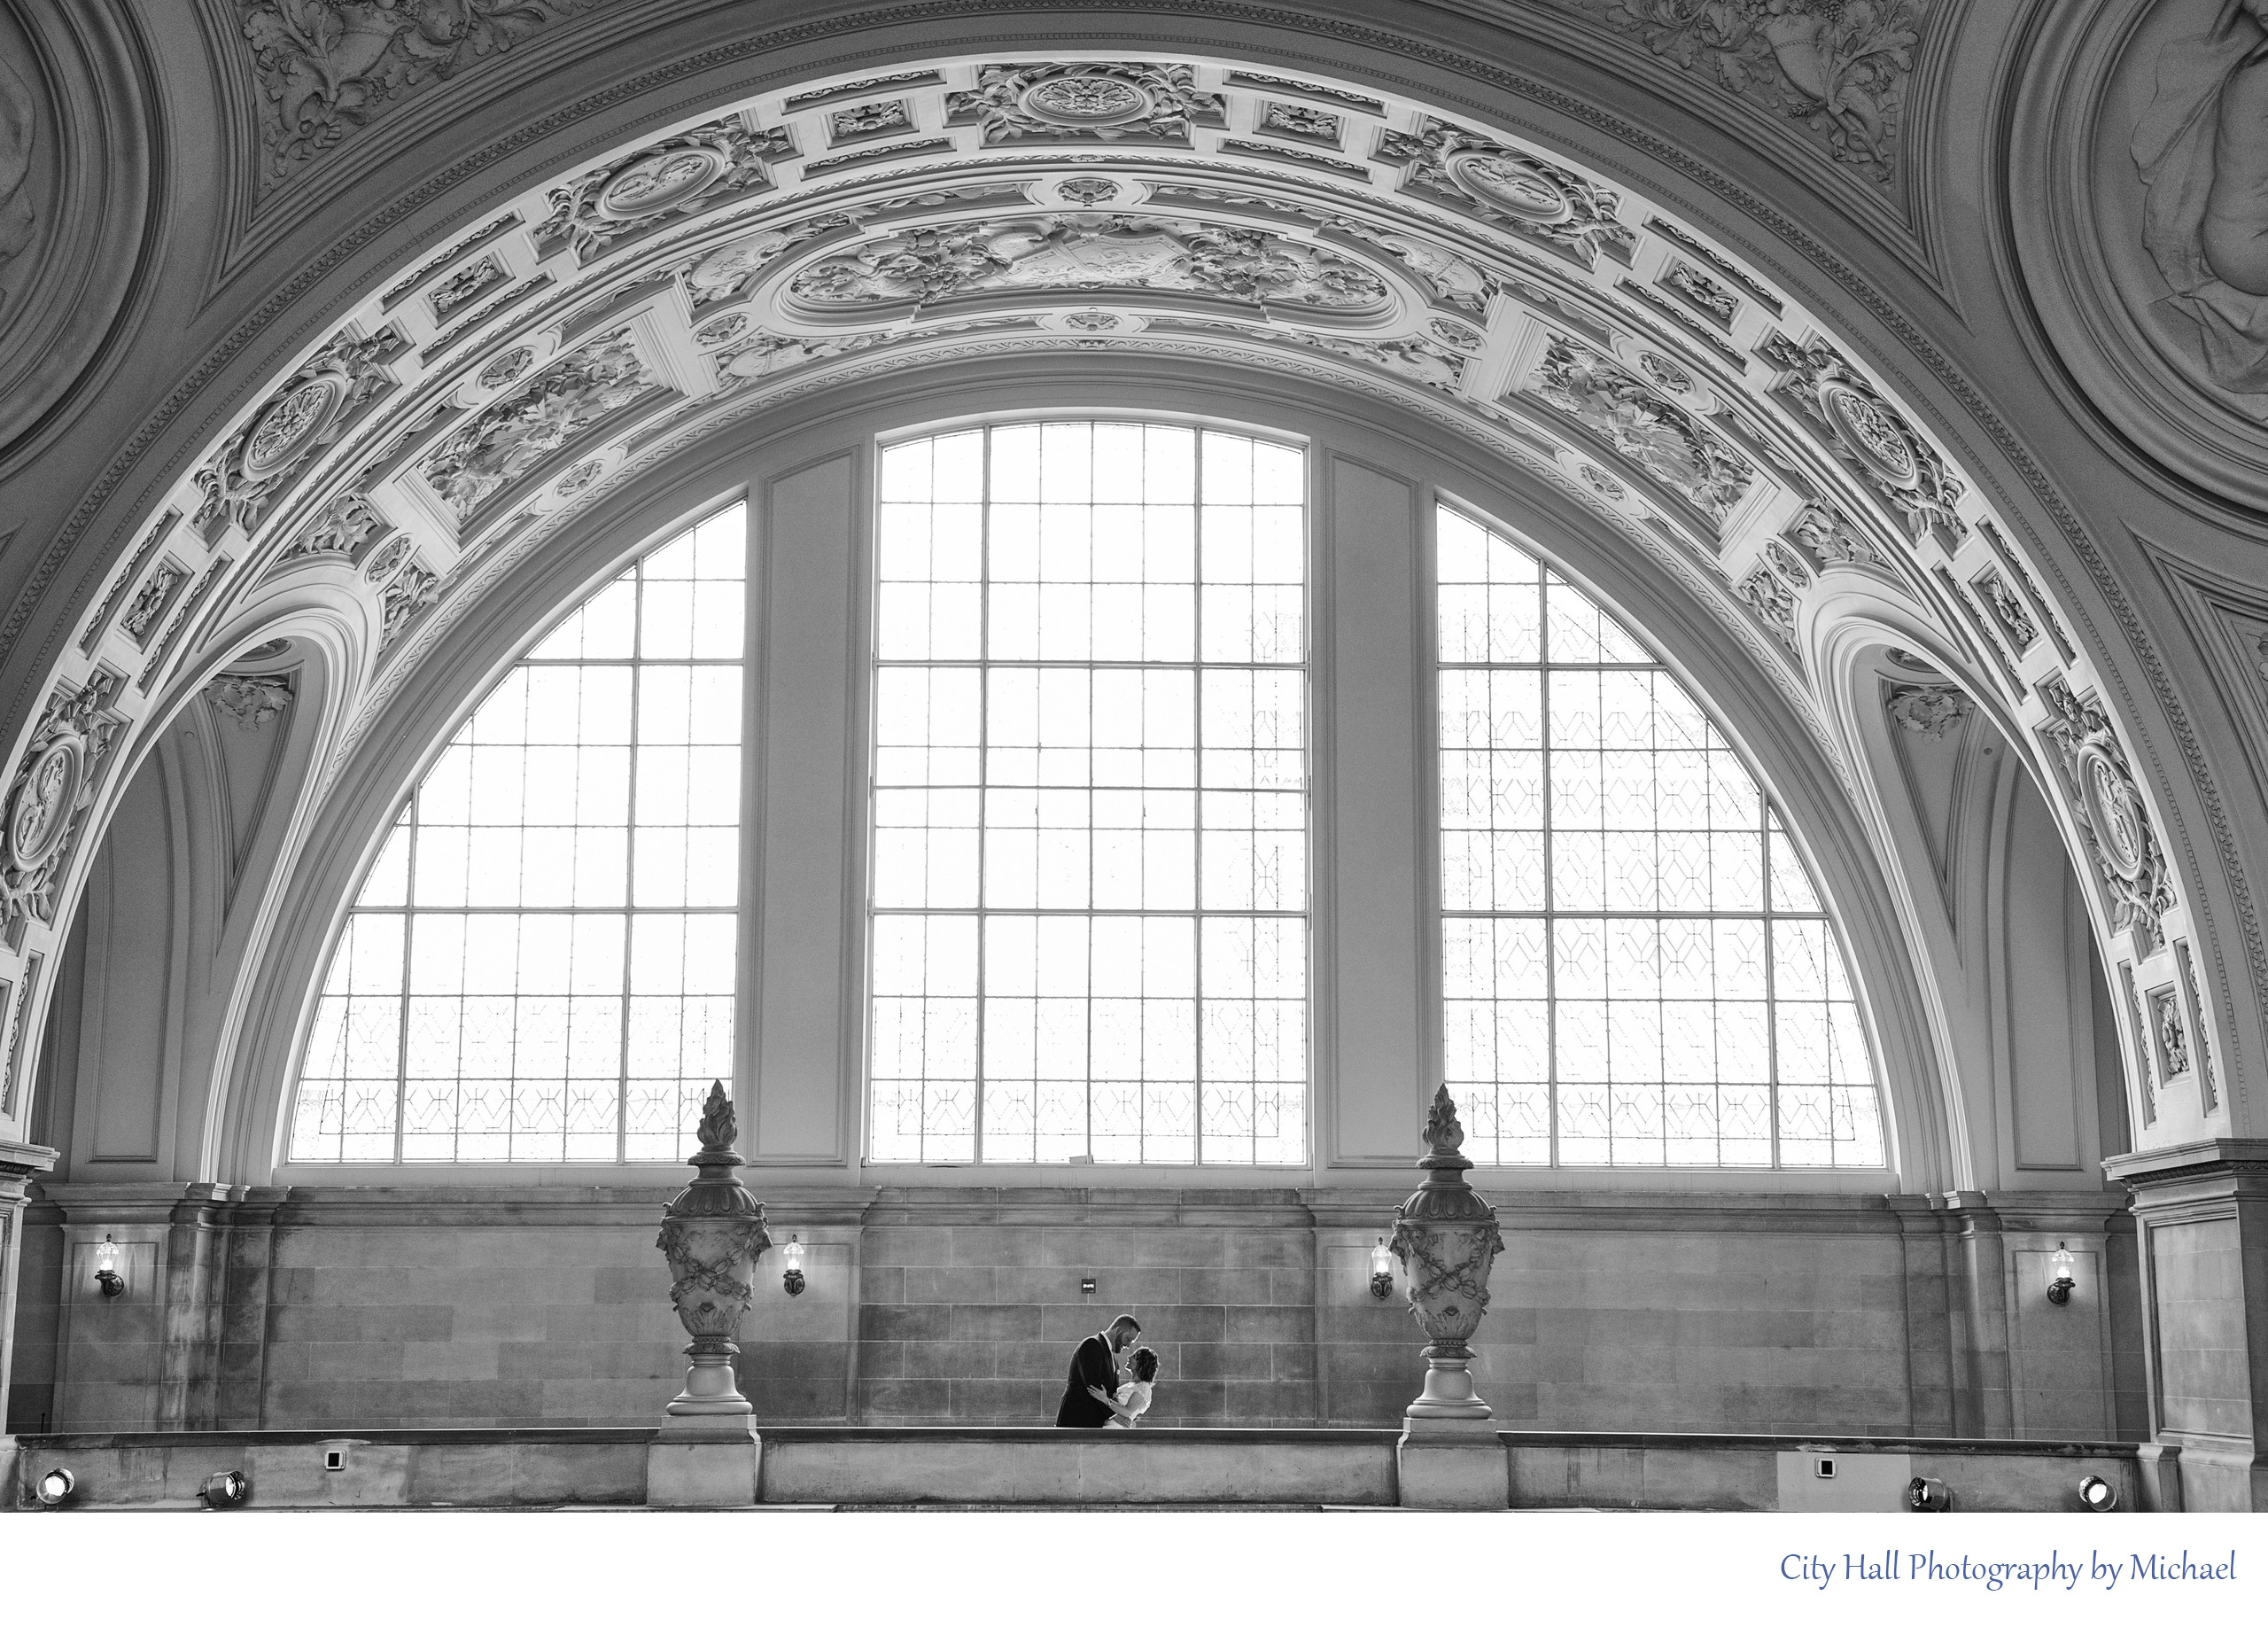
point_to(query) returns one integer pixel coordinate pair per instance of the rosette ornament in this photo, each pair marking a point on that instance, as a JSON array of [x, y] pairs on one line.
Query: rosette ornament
[[1447, 1239], [713, 1235]]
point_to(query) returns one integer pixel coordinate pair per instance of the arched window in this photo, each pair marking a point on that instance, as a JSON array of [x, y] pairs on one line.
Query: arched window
[[1635, 968], [1088, 927], [539, 966]]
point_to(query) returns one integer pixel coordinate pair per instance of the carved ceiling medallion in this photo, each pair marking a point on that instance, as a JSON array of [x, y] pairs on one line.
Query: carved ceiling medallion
[[1517, 186], [660, 182]]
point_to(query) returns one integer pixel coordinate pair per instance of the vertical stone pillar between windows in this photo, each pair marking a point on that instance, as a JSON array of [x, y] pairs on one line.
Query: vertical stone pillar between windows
[[801, 930], [1930, 1361], [19, 1164], [1372, 1072]]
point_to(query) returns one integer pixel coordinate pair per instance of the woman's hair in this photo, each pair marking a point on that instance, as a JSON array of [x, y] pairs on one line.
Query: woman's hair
[[1145, 1365]]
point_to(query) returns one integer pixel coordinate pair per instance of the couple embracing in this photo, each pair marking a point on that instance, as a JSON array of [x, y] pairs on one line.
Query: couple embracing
[[1098, 1394]]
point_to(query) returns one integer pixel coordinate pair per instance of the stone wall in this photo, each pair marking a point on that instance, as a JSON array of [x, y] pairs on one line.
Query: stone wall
[[369, 1308]]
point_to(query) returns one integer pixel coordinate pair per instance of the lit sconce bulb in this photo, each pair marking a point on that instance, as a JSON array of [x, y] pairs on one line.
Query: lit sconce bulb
[[1381, 1271], [107, 1273], [792, 1253], [2098, 1495], [2060, 1277]]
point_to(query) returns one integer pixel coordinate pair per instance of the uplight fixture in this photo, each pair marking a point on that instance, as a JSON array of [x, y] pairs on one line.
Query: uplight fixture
[[1381, 1271], [229, 1488], [2098, 1495], [1924, 1495], [107, 1272], [792, 1278], [55, 1486], [2060, 1277]]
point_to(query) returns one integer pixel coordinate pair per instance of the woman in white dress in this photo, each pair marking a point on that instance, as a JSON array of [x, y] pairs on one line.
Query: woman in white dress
[[1133, 1398]]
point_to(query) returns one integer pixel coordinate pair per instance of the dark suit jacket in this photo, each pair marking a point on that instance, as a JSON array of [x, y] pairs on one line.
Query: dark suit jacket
[[1090, 1364]]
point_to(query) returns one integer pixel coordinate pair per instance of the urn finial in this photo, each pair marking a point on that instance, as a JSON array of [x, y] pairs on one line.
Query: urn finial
[[1443, 1135], [719, 1128]]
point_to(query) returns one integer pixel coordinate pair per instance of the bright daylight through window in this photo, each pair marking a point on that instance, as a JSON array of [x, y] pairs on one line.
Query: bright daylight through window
[[1636, 967], [1090, 810], [540, 965]]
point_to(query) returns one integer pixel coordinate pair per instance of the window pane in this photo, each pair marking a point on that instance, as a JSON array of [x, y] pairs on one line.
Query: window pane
[[540, 965], [1089, 807], [1636, 970]]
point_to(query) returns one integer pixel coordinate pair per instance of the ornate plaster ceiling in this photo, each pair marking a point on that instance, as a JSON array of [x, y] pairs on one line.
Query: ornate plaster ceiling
[[768, 251]]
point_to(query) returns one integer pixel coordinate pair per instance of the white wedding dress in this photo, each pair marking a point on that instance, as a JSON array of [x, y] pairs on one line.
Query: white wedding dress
[[1134, 1396]]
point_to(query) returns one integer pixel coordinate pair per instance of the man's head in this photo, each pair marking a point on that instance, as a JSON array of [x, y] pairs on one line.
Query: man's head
[[1122, 1332]]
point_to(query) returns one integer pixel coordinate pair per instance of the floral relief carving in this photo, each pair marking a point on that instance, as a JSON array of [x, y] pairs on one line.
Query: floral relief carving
[[48, 799], [1664, 439], [465, 285], [1300, 123], [1510, 189], [2009, 611], [2172, 1036], [1838, 67], [2107, 806], [1719, 302], [1829, 537], [1931, 709], [326, 67], [1772, 588], [507, 437], [344, 525], [150, 604], [253, 702], [868, 118], [310, 411], [411, 590], [1154, 102], [1871, 439], [1085, 252], [681, 175], [724, 272]]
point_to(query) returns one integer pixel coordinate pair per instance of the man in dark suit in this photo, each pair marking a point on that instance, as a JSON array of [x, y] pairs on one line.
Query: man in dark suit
[[1094, 1362]]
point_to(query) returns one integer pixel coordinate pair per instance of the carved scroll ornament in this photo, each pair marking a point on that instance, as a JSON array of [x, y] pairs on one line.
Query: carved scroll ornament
[[48, 799], [2137, 880]]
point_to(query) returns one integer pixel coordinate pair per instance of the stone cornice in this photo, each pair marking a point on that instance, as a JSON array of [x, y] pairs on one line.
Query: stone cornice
[[2221, 1158]]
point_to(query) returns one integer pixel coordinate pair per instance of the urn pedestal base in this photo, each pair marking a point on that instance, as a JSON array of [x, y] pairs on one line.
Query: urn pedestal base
[[1451, 1463], [704, 1461]]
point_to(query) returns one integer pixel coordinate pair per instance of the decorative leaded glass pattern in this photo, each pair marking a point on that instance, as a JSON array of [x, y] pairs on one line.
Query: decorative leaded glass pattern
[[1636, 967], [1090, 805], [540, 965]]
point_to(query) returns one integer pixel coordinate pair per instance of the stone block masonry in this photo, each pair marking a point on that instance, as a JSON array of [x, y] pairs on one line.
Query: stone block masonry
[[339, 1308]]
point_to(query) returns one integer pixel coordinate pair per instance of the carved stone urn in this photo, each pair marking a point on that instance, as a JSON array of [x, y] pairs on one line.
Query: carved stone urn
[[1447, 1239], [712, 1234]]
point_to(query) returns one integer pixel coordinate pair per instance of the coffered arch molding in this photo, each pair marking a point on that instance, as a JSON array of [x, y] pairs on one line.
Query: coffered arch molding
[[1878, 338], [280, 978]]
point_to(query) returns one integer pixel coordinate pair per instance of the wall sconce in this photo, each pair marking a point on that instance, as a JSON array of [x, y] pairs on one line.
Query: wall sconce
[[2060, 1277], [229, 1488], [792, 1278], [55, 1486], [1381, 1271], [1927, 1496], [2098, 1495], [106, 1257]]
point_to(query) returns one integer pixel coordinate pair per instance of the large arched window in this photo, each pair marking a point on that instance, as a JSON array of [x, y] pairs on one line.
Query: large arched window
[[1088, 880], [1635, 968], [539, 966]]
